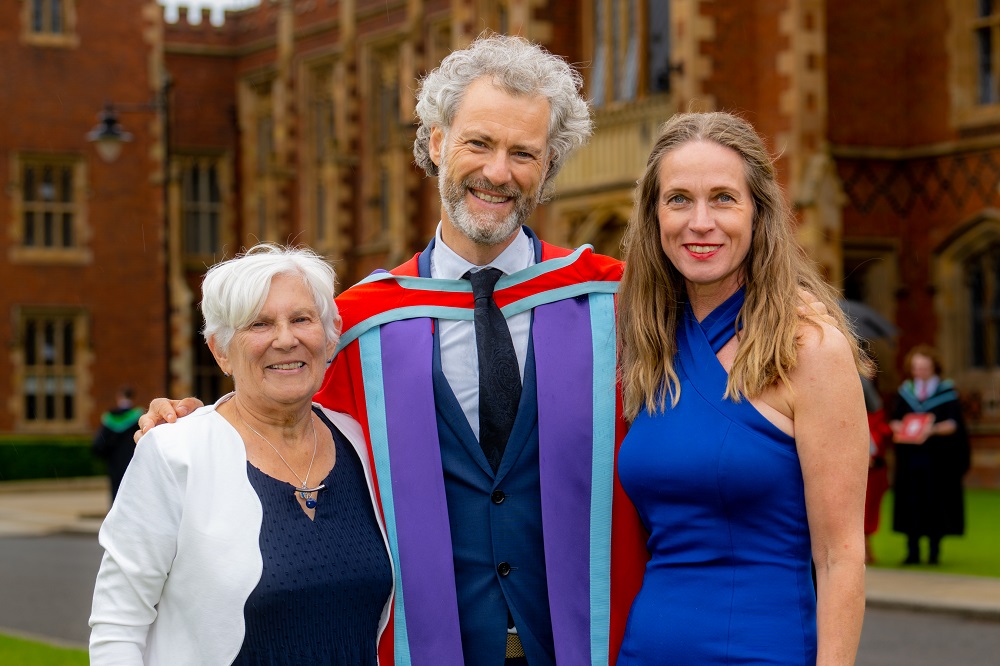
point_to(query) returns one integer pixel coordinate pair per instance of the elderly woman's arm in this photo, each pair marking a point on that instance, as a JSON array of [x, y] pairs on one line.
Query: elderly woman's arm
[[139, 537], [831, 435]]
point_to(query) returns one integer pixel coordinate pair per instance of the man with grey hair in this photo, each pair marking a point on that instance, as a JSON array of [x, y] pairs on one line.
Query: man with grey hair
[[483, 373]]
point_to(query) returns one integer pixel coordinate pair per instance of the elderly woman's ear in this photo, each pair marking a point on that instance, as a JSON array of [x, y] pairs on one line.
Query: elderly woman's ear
[[331, 345], [221, 358]]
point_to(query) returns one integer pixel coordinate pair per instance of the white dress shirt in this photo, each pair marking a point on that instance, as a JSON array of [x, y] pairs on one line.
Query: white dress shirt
[[925, 388], [459, 357]]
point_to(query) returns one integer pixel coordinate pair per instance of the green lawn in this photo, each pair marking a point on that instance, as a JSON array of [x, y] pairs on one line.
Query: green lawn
[[977, 553], [28, 653]]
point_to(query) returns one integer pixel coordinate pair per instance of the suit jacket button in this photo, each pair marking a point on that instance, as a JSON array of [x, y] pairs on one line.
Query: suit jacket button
[[498, 496], [503, 568]]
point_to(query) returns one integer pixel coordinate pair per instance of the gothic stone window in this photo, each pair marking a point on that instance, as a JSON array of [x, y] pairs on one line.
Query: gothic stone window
[[201, 205], [966, 275], [973, 53], [987, 30], [50, 344], [323, 146], [631, 49], [982, 277], [48, 205], [260, 160], [48, 16], [49, 22], [384, 138]]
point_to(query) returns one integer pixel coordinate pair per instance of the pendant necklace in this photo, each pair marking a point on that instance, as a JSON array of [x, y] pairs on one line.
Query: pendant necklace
[[304, 491]]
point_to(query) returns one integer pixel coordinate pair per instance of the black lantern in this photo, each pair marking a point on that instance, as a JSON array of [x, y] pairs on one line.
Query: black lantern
[[108, 135]]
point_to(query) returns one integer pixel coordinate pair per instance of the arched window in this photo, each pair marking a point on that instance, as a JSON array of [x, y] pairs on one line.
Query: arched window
[[967, 301], [602, 227], [982, 282], [630, 49]]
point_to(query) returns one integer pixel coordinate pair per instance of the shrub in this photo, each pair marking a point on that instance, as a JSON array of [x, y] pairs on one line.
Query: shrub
[[47, 457]]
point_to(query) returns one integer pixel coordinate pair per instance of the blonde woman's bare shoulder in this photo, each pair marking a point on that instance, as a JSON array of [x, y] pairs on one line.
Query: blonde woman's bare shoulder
[[822, 343], [824, 383]]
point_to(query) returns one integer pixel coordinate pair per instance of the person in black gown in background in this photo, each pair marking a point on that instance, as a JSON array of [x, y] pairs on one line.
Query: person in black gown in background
[[929, 498]]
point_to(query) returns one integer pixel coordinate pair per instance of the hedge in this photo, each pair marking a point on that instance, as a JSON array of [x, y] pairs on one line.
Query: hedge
[[47, 457]]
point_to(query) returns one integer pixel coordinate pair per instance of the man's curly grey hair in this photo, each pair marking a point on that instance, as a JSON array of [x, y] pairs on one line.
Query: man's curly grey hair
[[518, 67]]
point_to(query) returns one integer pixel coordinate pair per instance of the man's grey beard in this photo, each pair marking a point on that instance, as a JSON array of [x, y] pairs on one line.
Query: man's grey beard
[[480, 231]]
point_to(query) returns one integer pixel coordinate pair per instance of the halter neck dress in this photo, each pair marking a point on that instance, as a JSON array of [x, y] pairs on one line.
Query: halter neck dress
[[719, 488]]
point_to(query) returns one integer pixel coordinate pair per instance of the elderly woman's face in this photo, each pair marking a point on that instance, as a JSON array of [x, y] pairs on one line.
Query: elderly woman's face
[[705, 214], [280, 358]]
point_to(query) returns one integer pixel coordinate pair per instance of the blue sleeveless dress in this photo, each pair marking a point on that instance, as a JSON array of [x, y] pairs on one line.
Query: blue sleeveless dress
[[720, 490]]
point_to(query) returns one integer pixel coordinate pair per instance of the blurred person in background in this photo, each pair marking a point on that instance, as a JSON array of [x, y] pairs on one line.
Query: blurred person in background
[[114, 442], [932, 456]]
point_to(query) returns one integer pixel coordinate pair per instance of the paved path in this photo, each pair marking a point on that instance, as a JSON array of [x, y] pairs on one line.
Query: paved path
[[970, 595], [48, 585], [918, 638], [37, 508]]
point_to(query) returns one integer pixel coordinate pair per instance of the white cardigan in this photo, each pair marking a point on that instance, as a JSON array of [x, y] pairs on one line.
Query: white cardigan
[[181, 543]]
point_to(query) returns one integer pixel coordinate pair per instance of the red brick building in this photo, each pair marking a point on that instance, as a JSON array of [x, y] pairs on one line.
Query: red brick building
[[293, 120], [82, 251]]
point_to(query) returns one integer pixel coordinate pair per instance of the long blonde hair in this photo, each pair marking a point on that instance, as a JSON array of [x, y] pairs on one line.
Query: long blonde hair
[[652, 293]]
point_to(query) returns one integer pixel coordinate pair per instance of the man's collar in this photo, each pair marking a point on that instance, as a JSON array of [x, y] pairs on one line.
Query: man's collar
[[445, 263]]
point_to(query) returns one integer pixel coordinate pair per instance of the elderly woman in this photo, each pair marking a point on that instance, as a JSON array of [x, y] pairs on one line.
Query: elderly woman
[[748, 450], [248, 533]]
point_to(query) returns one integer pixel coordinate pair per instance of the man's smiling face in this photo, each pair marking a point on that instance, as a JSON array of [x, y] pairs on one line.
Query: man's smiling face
[[492, 163]]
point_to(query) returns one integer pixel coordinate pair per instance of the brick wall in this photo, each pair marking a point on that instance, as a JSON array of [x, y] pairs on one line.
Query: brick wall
[[52, 95]]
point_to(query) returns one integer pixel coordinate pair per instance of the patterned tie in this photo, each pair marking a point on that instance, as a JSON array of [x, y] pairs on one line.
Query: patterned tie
[[499, 376]]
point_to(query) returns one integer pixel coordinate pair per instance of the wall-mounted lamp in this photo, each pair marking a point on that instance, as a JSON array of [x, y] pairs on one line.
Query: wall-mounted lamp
[[108, 138], [108, 135]]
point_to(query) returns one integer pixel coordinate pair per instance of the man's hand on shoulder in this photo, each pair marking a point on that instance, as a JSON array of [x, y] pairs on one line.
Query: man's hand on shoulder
[[165, 410]]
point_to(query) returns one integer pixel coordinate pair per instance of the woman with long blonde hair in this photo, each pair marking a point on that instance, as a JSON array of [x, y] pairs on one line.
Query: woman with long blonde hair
[[747, 455]]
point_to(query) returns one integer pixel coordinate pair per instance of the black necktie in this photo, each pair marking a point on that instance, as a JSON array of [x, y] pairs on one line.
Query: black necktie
[[499, 376]]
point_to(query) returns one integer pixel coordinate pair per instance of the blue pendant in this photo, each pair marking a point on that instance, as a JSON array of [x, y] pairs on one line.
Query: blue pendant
[[307, 495]]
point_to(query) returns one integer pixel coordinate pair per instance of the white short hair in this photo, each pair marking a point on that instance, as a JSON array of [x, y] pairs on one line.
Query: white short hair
[[234, 290]]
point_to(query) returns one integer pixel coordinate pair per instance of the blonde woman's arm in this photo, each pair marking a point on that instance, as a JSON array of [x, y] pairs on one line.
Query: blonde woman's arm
[[831, 435]]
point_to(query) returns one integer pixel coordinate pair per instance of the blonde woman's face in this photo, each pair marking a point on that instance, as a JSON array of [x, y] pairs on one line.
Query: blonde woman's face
[[705, 215]]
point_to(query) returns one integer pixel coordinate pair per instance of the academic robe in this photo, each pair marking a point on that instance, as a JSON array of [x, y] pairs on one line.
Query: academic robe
[[593, 540], [929, 498]]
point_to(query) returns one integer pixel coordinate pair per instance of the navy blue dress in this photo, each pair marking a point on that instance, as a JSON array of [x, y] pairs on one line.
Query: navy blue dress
[[720, 490], [325, 581]]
